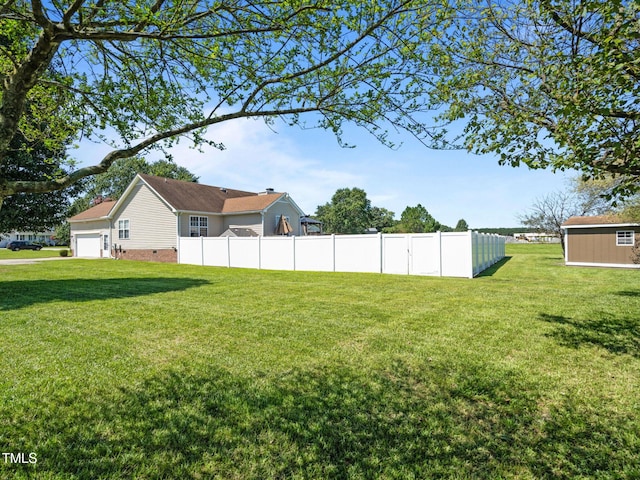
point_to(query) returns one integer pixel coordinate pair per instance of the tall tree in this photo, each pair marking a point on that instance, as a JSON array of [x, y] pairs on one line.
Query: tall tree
[[548, 213], [138, 75], [461, 226], [28, 211], [417, 220], [631, 210], [348, 212], [546, 83], [115, 181], [381, 218]]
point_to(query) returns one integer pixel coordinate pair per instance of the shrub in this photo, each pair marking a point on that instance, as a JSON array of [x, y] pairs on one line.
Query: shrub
[[635, 252], [64, 253]]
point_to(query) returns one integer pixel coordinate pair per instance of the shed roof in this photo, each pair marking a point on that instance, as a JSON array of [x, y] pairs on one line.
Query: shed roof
[[598, 221]]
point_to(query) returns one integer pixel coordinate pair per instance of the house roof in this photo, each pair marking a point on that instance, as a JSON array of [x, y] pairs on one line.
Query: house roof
[[94, 213], [190, 197], [597, 221], [250, 204]]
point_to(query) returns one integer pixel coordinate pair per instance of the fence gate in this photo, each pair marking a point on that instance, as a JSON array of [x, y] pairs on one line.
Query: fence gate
[[450, 254]]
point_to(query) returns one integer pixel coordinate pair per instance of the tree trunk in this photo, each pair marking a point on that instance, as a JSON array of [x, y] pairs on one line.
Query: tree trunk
[[17, 85]]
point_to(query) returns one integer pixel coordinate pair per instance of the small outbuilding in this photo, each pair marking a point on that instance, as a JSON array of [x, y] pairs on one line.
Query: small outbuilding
[[601, 241]]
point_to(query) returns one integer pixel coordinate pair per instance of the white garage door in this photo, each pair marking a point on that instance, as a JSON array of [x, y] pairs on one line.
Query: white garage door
[[88, 245]]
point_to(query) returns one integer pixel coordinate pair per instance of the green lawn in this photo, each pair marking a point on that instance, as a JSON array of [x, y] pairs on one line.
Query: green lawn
[[6, 254], [116, 369]]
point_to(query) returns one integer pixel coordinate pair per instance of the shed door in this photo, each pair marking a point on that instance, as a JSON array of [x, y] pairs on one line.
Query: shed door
[[88, 245]]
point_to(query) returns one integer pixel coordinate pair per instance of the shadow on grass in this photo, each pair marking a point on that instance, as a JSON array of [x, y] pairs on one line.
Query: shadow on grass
[[629, 293], [494, 268], [329, 422], [618, 335], [23, 293]]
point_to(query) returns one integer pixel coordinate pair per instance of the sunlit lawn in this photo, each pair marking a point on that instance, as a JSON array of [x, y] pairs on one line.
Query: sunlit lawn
[[115, 369]]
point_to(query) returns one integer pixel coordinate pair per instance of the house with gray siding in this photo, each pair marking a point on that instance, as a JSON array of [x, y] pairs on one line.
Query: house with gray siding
[[146, 222]]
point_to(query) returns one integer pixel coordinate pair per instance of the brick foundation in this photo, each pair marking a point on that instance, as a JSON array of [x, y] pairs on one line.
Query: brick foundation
[[168, 255]]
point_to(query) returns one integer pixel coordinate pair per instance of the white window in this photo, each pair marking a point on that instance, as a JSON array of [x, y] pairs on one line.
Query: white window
[[624, 238], [105, 242], [123, 229], [198, 226]]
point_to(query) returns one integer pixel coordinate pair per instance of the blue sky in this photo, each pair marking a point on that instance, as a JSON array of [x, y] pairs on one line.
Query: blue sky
[[311, 166]]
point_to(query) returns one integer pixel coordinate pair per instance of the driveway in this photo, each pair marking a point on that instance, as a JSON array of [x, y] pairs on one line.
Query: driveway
[[28, 261]]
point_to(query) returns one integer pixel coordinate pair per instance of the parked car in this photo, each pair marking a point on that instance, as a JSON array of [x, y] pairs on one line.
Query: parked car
[[22, 245]]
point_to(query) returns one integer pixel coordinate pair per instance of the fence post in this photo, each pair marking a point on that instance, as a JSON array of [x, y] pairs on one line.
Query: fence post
[[228, 252], [439, 247], [333, 250], [473, 241], [495, 249], [260, 252], [381, 256], [293, 248], [409, 245], [202, 251]]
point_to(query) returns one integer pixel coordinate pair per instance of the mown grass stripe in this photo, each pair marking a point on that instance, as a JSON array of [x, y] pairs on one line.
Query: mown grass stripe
[[114, 369]]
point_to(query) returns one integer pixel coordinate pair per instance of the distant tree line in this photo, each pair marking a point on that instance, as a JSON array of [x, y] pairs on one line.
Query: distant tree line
[[351, 212], [507, 231]]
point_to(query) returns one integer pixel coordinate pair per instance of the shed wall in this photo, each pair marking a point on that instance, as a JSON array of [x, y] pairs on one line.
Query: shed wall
[[598, 246]]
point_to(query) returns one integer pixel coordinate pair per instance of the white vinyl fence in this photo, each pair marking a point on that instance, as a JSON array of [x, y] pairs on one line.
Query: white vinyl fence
[[451, 254]]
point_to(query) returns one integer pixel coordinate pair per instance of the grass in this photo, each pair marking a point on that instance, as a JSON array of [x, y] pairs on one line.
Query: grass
[[114, 369], [46, 252]]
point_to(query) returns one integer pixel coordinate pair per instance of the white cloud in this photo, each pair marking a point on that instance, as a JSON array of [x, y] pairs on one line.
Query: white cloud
[[257, 157], [311, 167]]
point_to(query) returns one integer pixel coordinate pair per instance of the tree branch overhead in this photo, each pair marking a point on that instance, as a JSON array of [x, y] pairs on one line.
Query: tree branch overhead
[[146, 71]]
